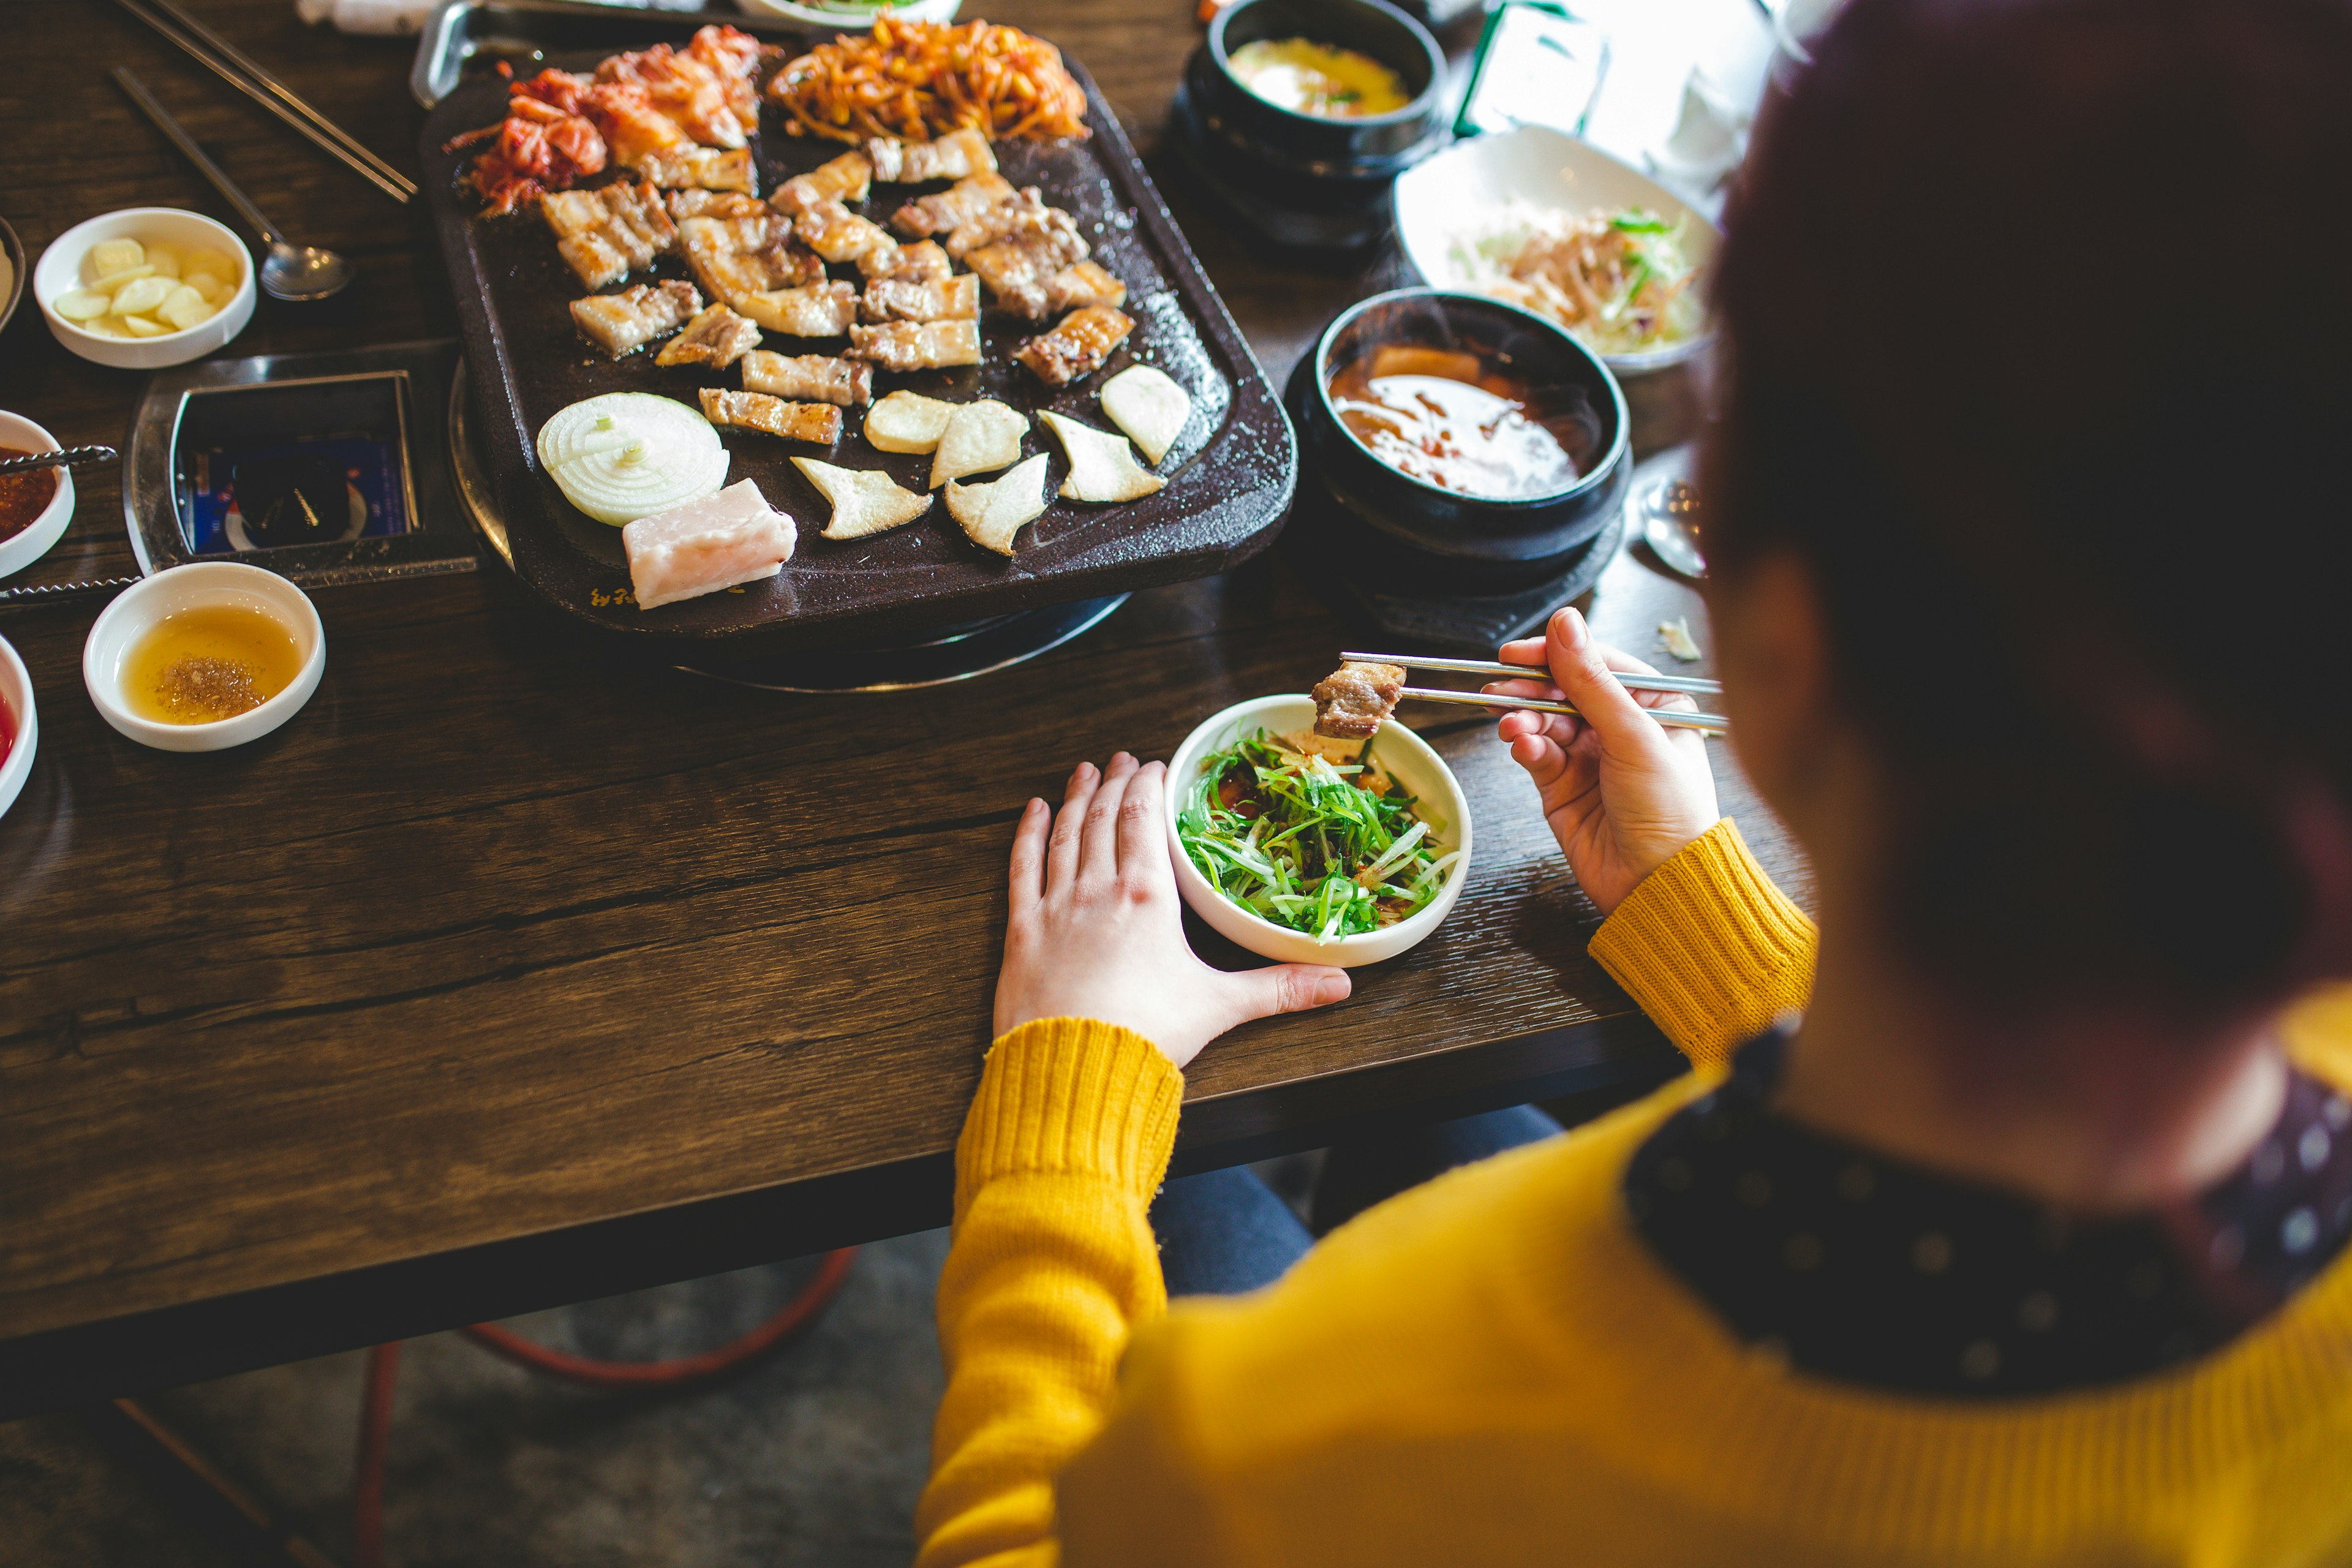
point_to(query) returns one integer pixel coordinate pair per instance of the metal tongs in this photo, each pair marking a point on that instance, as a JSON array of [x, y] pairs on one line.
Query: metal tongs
[[1687, 685]]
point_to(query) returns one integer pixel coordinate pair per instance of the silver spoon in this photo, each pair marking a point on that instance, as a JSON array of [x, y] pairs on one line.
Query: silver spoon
[[1670, 522], [293, 271]]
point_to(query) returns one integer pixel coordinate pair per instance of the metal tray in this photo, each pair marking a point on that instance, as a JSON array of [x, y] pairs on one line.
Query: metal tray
[[438, 538], [1230, 474]]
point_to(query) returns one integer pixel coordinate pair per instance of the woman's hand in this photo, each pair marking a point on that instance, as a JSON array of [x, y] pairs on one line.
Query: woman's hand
[[1622, 791], [1098, 932]]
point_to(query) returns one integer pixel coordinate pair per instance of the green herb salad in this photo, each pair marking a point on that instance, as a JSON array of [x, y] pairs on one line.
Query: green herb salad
[[1327, 850]]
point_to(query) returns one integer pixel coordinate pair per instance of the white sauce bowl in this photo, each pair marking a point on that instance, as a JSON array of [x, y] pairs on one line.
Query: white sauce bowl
[[138, 609], [17, 695], [1406, 757], [30, 544], [59, 272]]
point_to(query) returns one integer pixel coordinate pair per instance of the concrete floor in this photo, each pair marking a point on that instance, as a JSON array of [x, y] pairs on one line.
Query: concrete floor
[[815, 1457]]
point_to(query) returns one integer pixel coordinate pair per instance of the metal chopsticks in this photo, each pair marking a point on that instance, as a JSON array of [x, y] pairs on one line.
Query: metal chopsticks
[[71, 456], [226, 61], [1687, 685]]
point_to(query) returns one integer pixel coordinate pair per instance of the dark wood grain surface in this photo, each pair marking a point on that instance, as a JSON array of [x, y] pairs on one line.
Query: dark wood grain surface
[[508, 972]]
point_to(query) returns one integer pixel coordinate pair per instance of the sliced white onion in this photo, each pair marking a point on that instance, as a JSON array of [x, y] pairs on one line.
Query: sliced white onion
[[627, 455]]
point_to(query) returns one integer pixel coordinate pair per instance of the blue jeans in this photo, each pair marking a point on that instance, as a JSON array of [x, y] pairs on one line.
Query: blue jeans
[[1224, 1232]]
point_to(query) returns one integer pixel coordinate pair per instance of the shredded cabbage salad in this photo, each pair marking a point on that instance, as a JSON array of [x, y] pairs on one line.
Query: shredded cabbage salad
[[1622, 281], [1299, 841]]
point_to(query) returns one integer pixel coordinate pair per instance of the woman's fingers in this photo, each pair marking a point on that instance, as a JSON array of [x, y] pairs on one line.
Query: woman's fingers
[[1580, 669], [1143, 841], [1062, 849], [1029, 856], [1252, 993], [1098, 843]]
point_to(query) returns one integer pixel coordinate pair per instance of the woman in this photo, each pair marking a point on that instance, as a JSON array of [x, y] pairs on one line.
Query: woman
[[2025, 1245]]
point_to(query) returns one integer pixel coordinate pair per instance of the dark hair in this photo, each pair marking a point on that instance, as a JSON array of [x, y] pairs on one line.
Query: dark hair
[[2037, 319]]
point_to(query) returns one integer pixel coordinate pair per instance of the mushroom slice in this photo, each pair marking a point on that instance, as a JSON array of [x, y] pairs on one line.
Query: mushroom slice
[[908, 422], [1148, 406], [978, 436], [993, 512], [862, 501], [1102, 465]]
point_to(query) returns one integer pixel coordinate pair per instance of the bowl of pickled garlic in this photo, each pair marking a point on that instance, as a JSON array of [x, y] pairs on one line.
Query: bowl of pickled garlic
[[146, 288]]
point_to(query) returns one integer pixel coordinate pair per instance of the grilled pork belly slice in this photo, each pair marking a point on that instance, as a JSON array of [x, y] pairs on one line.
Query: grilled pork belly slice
[[925, 261], [818, 310], [1026, 213], [730, 204], [747, 254], [1354, 700], [836, 233], [594, 259], [897, 299], [1082, 284], [958, 205], [1020, 268], [716, 338], [701, 168], [917, 345], [705, 546], [809, 378], [1077, 346], [624, 322], [625, 219], [817, 422], [845, 179], [953, 156]]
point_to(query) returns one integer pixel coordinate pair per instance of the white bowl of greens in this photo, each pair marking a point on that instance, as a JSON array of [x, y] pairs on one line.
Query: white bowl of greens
[[854, 14], [1288, 854]]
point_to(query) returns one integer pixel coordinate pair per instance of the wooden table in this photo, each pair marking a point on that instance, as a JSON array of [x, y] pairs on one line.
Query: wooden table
[[508, 976]]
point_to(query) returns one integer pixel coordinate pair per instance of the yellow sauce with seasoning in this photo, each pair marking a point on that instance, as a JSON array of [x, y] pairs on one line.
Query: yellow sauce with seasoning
[[1308, 78], [207, 664]]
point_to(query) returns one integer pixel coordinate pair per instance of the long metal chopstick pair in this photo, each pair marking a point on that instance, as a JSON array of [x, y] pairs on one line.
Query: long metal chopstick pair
[[224, 60], [1687, 685]]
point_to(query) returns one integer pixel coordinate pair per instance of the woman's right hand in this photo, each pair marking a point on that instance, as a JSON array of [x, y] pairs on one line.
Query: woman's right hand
[[1622, 791]]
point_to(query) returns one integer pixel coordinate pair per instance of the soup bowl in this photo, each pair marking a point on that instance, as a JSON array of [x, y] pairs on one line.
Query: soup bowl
[[1309, 180], [1461, 540]]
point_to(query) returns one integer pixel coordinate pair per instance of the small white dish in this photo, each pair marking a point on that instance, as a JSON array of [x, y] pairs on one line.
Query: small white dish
[[29, 543], [856, 18], [1454, 194], [59, 272], [1408, 759], [24, 718], [138, 608]]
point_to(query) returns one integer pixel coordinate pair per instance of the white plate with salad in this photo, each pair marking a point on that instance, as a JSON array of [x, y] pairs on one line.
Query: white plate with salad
[[1538, 219], [1305, 852]]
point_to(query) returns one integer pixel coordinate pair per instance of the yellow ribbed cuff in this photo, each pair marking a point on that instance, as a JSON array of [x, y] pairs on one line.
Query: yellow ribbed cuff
[[1710, 947], [1071, 1097]]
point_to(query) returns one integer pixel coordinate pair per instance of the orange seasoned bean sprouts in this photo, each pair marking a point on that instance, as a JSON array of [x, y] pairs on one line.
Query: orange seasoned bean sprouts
[[915, 80]]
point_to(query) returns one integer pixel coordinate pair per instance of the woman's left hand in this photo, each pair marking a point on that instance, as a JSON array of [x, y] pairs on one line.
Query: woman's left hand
[[1096, 928]]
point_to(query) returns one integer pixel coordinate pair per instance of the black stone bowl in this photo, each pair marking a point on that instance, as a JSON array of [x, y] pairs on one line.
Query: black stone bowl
[[1458, 542], [1309, 180]]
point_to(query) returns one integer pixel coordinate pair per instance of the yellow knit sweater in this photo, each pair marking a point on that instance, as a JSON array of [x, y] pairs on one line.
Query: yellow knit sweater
[[1493, 1369]]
